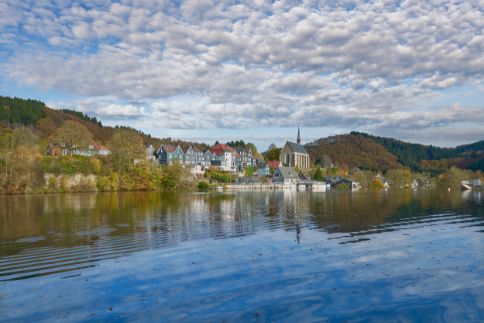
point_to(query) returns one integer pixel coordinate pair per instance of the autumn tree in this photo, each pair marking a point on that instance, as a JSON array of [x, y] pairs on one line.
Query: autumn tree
[[72, 134], [126, 146]]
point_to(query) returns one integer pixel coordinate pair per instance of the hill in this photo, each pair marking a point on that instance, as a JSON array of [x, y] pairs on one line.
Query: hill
[[16, 112], [418, 157], [353, 151]]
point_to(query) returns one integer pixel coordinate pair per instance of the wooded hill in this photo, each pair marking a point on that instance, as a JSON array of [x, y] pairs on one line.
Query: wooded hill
[[16, 112], [379, 153]]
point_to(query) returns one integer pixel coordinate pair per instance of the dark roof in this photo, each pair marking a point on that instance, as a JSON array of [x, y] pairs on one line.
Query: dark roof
[[298, 148], [261, 165], [288, 172]]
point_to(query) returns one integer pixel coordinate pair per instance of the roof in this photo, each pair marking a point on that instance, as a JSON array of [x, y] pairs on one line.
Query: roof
[[168, 148], [274, 163], [288, 172], [220, 148], [297, 148], [261, 165]]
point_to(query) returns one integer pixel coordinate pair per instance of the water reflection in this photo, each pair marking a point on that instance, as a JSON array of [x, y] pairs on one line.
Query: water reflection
[[273, 256], [94, 227]]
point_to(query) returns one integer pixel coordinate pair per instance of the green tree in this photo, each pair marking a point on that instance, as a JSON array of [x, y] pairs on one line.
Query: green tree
[[273, 154], [318, 174], [126, 146], [249, 170]]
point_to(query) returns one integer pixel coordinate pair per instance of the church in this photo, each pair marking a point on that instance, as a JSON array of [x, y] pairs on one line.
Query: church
[[293, 154]]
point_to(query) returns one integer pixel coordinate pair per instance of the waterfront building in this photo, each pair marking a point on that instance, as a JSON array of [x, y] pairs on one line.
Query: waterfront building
[[293, 154]]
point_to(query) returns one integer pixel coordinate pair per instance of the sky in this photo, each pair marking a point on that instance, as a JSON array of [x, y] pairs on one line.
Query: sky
[[222, 70]]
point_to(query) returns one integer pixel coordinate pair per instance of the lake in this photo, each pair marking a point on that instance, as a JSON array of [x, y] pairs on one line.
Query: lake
[[243, 256]]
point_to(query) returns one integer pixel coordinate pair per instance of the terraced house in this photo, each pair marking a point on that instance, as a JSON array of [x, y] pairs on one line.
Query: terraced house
[[169, 154]]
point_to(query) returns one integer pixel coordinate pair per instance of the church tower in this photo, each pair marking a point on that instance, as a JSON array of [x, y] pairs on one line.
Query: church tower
[[298, 136]]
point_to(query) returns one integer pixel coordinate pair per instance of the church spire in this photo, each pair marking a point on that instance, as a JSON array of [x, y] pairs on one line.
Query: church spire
[[298, 135]]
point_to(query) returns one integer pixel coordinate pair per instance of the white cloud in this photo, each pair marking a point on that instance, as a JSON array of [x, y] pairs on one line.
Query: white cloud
[[203, 64]]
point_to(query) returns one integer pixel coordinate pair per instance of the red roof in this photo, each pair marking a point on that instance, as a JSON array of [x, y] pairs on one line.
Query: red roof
[[274, 163], [221, 148], [169, 148]]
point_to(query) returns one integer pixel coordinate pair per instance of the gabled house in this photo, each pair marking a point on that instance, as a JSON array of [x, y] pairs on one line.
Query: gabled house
[[293, 154], [286, 176], [243, 158], [223, 157], [263, 169], [193, 157], [169, 154]]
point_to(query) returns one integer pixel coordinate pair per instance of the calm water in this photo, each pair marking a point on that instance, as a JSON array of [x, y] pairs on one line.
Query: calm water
[[262, 256]]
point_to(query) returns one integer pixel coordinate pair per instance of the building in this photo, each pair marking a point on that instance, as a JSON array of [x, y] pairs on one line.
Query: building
[[223, 156], [169, 154], [193, 156], [293, 154], [263, 169], [150, 153], [286, 176], [76, 150], [243, 158]]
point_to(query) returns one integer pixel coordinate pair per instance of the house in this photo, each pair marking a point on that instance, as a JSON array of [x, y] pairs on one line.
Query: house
[[169, 154], [293, 154], [150, 153], [223, 157], [243, 158], [103, 151], [207, 158], [193, 156], [263, 169], [286, 176]]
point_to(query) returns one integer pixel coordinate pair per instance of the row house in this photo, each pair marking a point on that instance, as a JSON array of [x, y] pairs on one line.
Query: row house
[[221, 155], [243, 158], [169, 154], [76, 150]]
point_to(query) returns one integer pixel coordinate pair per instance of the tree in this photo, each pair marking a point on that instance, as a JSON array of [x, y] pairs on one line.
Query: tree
[[318, 174], [126, 146], [72, 134], [249, 170], [273, 154]]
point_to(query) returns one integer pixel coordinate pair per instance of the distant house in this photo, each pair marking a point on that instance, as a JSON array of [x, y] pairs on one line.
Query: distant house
[[263, 169], [150, 152], [286, 176], [293, 154], [76, 150], [169, 154], [223, 157], [193, 157], [103, 151], [243, 158]]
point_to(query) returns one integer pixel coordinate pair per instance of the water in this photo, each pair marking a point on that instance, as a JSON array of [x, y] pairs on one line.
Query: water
[[252, 256]]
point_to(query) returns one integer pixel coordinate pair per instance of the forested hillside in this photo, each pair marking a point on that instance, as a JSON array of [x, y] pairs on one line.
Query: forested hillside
[[431, 158], [353, 151], [25, 112]]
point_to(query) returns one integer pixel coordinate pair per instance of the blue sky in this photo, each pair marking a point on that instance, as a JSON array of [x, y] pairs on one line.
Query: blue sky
[[205, 70]]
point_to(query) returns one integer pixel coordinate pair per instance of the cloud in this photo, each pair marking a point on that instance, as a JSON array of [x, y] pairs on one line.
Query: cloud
[[203, 64]]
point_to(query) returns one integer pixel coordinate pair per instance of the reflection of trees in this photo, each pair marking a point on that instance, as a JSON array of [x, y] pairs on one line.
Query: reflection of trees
[[166, 218]]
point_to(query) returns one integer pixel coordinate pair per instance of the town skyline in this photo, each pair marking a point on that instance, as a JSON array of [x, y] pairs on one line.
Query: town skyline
[[206, 71]]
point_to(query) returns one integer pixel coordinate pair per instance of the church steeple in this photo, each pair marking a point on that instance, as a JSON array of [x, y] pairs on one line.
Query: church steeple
[[298, 135]]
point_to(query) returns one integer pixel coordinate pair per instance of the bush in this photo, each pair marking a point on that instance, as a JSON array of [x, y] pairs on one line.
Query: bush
[[203, 186]]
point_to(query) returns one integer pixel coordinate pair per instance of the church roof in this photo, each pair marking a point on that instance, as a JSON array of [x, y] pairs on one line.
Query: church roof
[[297, 148]]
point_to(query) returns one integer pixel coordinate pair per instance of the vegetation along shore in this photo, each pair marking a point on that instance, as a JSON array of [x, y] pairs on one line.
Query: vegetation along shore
[[43, 150]]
